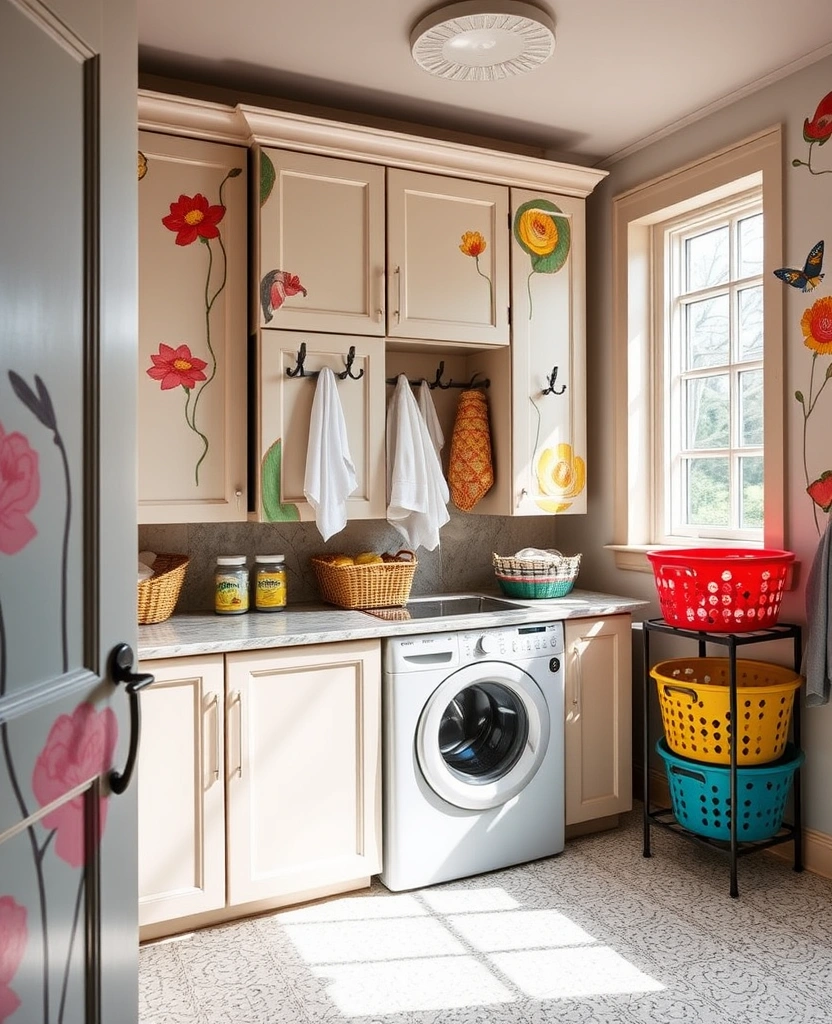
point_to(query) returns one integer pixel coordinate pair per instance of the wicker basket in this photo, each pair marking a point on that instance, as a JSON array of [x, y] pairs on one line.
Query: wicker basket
[[382, 585], [159, 593], [536, 578]]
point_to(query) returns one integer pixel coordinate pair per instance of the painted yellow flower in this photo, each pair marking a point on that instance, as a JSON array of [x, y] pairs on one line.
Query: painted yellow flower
[[538, 232], [561, 474], [473, 244], [816, 324]]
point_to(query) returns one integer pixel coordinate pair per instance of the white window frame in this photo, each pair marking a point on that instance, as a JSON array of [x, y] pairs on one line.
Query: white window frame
[[755, 162], [668, 243]]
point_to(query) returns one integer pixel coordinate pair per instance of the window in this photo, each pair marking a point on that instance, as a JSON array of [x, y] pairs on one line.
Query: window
[[710, 363], [698, 355]]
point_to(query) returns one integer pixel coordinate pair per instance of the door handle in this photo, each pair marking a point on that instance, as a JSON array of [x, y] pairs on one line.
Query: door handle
[[397, 313], [121, 670], [214, 706]]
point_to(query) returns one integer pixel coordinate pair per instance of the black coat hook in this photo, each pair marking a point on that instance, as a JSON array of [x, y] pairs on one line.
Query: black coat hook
[[552, 390], [300, 371], [437, 381]]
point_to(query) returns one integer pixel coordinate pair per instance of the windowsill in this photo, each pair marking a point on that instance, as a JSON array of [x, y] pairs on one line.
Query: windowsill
[[633, 557]]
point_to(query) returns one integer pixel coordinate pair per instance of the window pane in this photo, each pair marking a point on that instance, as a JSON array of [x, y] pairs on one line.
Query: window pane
[[751, 492], [751, 407], [708, 499], [751, 246], [706, 259], [708, 412], [751, 322], [707, 332]]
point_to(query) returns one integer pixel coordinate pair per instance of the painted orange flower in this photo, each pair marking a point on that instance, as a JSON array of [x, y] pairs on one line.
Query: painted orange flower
[[816, 324], [175, 367], [537, 232], [473, 244], [193, 217]]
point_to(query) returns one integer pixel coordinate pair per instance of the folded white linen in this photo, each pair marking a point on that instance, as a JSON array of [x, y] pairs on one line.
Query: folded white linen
[[428, 411], [417, 493], [330, 472]]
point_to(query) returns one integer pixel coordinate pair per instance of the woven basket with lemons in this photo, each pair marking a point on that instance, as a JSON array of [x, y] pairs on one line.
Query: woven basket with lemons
[[365, 580]]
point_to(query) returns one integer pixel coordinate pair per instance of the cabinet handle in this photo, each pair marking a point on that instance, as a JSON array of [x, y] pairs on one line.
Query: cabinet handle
[[214, 705], [237, 701], [578, 688], [381, 291], [398, 311]]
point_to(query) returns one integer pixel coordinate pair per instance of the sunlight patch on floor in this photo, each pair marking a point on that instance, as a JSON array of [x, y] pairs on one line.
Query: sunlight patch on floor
[[572, 973]]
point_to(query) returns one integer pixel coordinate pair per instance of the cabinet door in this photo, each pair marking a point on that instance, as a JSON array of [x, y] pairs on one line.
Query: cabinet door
[[321, 244], [447, 245], [284, 408], [598, 724], [304, 786], [181, 789], [192, 331], [548, 354]]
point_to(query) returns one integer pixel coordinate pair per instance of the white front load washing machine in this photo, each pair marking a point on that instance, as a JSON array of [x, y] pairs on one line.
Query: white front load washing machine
[[472, 741]]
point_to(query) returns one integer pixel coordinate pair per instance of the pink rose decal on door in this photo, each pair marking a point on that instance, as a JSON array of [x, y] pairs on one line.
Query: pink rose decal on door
[[13, 936], [78, 746], [19, 491]]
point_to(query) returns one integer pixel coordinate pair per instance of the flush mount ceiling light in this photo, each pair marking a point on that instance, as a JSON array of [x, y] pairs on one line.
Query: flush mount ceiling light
[[482, 40]]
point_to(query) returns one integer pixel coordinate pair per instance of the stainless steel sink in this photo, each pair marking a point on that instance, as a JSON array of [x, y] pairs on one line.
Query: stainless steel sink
[[442, 606]]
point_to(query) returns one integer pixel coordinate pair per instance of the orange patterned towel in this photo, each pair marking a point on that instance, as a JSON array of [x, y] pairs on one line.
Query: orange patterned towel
[[470, 470]]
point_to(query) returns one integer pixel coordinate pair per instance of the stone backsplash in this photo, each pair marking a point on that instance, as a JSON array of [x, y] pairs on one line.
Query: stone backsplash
[[461, 563]]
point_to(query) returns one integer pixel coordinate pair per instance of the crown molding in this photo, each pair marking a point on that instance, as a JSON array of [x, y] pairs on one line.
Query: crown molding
[[245, 125]]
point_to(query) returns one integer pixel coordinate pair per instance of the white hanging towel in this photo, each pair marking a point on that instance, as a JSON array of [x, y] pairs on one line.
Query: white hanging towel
[[330, 473], [416, 489], [428, 411]]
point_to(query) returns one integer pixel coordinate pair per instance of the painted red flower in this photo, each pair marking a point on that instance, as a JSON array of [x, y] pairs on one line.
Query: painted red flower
[[19, 491], [193, 217], [820, 490], [820, 127], [79, 746], [13, 936], [175, 366]]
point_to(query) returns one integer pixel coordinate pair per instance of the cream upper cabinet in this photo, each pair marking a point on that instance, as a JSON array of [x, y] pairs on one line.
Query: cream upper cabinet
[[320, 243], [181, 786], [304, 784], [542, 458], [447, 247], [284, 408], [192, 330], [598, 724]]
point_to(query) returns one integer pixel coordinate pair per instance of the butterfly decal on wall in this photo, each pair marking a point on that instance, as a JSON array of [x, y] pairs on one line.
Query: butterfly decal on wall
[[808, 278]]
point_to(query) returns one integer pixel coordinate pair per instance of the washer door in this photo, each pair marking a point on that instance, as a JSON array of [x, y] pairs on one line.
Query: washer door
[[482, 735]]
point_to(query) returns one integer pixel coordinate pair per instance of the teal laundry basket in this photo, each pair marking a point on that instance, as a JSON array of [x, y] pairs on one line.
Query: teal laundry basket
[[701, 794]]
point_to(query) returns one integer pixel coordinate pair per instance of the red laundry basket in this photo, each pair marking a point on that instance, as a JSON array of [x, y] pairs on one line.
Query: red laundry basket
[[720, 590]]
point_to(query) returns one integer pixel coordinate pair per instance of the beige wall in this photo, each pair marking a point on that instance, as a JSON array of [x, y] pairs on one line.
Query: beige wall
[[807, 205]]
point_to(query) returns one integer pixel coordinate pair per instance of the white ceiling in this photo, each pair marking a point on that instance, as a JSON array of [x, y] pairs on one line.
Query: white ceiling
[[622, 71]]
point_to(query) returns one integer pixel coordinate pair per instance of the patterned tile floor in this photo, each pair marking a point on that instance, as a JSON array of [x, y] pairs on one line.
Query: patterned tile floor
[[596, 935]]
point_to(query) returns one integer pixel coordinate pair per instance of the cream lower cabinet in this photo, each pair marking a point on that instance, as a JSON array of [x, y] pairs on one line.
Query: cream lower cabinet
[[274, 803], [181, 790], [598, 726]]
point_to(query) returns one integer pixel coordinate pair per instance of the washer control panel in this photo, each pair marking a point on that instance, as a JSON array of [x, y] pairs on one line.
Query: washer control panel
[[533, 641]]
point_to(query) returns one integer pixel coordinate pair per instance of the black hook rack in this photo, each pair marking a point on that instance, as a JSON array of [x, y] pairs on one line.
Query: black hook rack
[[552, 390], [300, 371], [437, 381]]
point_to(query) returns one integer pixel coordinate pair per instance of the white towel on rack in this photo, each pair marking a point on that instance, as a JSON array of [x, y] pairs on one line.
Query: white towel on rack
[[428, 411], [417, 493], [330, 473], [817, 657]]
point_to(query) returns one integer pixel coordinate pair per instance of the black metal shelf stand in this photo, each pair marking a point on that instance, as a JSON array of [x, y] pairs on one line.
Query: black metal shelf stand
[[664, 817]]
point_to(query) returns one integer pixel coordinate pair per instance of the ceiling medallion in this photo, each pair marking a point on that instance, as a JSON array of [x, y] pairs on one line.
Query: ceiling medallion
[[483, 40]]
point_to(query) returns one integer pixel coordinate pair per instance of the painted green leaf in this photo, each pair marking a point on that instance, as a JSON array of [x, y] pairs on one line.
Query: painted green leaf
[[274, 510], [267, 176], [799, 396], [549, 262]]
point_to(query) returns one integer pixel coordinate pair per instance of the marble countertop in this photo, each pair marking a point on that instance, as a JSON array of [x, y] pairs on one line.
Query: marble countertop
[[207, 633]]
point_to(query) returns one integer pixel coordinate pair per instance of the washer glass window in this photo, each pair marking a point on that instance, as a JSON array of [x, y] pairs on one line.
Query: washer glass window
[[482, 732]]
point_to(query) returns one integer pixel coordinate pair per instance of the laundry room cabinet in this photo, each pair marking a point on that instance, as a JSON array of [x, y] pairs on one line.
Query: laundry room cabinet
[[598, 718], [287, 363], [259, 781], [193, 288]]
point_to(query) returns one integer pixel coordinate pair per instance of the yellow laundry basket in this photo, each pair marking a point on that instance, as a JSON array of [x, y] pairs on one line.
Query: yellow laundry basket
[[694, 697]]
